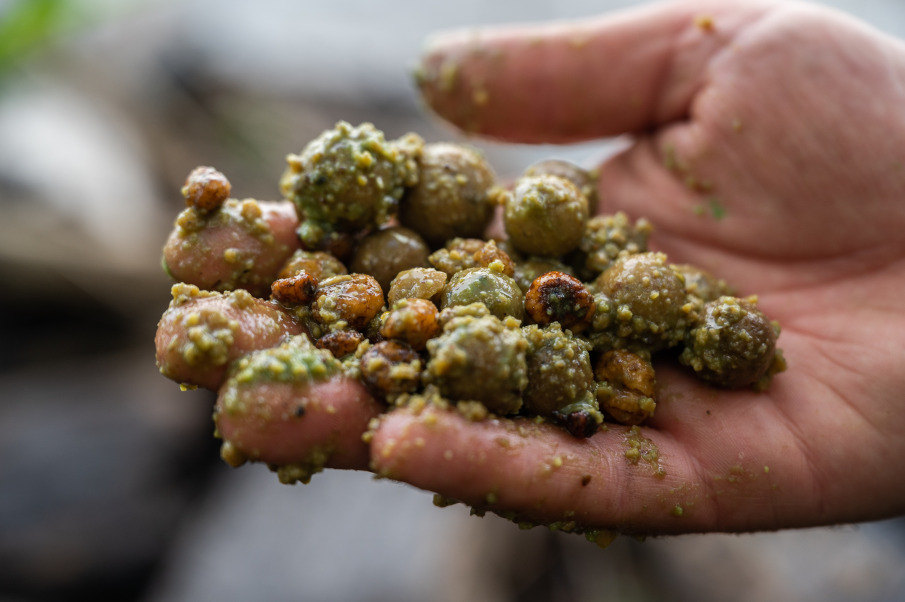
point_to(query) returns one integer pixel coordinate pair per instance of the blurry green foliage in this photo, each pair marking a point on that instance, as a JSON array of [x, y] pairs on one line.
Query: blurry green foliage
[[27, 25]]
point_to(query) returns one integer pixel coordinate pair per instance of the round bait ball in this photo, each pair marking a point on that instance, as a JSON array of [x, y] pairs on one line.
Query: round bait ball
[[559, 372], [479, 358], [609, 237], [458, 254], [649, 299], [387, 252], [546, 216], [584, 180], [348, 179], [497, 291], [733, 346], [452, 197]]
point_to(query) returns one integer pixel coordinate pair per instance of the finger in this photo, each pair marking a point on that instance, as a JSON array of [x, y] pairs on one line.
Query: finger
[[242, 244], [565, 82], [201, 333], [301, 426], [631, 480]]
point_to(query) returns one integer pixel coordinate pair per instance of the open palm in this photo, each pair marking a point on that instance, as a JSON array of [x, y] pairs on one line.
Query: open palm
[[768, 147]]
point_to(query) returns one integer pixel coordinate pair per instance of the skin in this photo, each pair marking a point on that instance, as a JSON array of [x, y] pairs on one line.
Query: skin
[[274, 432], [259, 325], [790, 117], [791, 113], [203, 262]]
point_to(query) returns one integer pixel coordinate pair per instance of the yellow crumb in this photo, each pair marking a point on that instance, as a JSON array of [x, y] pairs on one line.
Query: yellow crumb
[[578, 41], [704, 23]]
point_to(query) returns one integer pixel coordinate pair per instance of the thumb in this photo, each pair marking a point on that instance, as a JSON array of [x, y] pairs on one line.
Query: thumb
[[565, 82]]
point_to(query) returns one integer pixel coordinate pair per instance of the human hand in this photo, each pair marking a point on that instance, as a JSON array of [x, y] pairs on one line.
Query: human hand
[[768, 147], [743, 117]]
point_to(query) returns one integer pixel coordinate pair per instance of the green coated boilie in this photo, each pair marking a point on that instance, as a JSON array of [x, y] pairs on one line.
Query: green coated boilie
[[651, 308], [545, 216], [348, 179], [701, 284], [734, 345], [611, 237], [463, 253], [584, 180], [490, 286], [560, 377], [453, 196], [479, 357], [385, 253]]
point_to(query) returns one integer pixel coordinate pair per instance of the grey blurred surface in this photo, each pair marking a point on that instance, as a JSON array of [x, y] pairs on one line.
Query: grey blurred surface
[[110, 485]]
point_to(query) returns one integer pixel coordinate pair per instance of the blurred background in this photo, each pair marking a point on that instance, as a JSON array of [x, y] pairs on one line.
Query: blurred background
[[111, 487]]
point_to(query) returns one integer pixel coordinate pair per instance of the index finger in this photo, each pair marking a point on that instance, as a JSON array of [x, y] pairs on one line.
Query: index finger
[[634, 480], [572, 81]]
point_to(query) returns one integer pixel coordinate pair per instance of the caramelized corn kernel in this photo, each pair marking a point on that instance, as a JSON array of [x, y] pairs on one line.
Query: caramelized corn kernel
[[626, 389], [340, 342], [205, 189], [558, 297], [295, 290], [414, 321], [391, 368], [354, 299]]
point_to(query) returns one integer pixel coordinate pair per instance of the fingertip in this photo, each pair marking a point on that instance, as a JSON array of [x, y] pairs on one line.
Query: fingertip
[[398, 442], [216, 250], [253, 324], [570, 81], [282, 424], [432, 445], [535, 472], [550, 83], [628, 479]]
